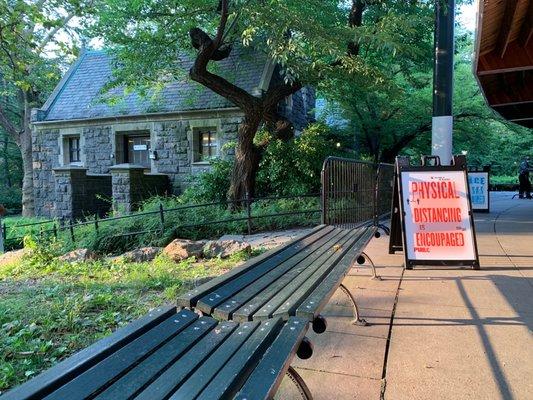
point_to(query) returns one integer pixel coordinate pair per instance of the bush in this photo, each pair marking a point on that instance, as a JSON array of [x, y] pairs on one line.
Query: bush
[[11, 198], [294, 167]]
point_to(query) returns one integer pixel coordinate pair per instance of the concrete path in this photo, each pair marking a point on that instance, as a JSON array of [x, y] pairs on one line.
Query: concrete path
[[456, 333]]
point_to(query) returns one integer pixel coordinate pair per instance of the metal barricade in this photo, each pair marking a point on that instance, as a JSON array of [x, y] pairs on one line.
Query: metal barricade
[[355, 192]]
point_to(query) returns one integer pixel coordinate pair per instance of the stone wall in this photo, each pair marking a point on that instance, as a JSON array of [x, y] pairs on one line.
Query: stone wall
[[98, 148], [131, 186], [79, 194], [45, 159]]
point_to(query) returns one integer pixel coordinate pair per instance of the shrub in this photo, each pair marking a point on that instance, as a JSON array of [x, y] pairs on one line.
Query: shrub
[[11, 198]]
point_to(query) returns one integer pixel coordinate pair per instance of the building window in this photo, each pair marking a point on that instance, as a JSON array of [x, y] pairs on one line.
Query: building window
[[74, 149], [207, 144], [137, 150]]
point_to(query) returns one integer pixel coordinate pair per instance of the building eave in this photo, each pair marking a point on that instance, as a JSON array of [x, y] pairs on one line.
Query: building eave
[[166, 116]]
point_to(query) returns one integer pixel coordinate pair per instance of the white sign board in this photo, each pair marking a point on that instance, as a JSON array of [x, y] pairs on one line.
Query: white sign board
[[436, 216], [140, 147], [479, 190]]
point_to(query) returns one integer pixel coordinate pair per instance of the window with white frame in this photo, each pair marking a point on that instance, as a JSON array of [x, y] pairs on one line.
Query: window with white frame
[[74, 149], [205, 144], [71, 150]]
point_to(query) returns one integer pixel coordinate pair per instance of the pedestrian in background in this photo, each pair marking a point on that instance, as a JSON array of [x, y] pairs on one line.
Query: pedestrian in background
[[523, 178]]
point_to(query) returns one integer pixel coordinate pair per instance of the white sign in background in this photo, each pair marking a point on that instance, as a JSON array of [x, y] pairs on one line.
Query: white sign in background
[[479, 190], [437, 220]]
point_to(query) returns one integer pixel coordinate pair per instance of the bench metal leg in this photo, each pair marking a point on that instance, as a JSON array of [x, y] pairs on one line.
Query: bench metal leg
[[300, 384], [358, 320], [385, 229], [365, 258]]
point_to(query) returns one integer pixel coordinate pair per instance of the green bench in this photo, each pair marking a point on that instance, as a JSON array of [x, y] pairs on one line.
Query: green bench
[[295, 280], [172, 354]]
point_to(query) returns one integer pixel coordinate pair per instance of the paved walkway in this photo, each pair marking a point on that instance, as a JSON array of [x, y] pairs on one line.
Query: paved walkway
[[456, 333]]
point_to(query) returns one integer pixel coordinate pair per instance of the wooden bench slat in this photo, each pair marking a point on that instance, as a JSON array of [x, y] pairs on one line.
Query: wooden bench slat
[[235, 372], [266, 377], [298, 287], [111, 367], [212, 299], [252, 292], [58, 375], [202, 377], [297, 297], [285, 280], [205, 373], [323, 292], [180, 371], [190, 298], [138, 377], [345, 257]]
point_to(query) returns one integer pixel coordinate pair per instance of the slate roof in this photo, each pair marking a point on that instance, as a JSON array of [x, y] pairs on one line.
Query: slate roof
[[79, 95]]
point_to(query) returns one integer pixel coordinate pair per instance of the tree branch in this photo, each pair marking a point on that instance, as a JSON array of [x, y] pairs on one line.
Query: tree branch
[[48, 38], [9, 127]]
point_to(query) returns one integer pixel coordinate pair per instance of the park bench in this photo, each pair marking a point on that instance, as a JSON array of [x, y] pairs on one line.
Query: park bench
[[298, 279], [172, 354]]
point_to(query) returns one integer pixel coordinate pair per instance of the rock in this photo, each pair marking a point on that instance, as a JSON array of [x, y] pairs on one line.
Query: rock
[[12, 257], [141, 255], [78, 255], [181, 249], [225, 248]]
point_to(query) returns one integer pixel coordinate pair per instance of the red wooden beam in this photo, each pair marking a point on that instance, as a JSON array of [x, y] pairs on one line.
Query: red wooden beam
[[527, 28], [506, 27]]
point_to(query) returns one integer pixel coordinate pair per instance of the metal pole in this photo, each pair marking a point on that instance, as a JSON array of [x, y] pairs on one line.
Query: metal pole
[[442, 126], [1, 236]]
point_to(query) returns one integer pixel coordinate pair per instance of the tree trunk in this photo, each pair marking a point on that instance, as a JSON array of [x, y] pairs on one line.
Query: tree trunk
[[246, 159], [28, 207], [7, 173]]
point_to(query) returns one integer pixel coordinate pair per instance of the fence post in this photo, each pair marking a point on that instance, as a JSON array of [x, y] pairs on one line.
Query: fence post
[[2, 235], [249, 212], [162, 215], [376, 195], [55, 231], [323, 199], [71, 226], [96, 223]]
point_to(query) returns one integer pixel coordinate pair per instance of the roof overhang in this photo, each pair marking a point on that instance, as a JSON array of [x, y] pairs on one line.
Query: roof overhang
[[149, 117], [503, 62]]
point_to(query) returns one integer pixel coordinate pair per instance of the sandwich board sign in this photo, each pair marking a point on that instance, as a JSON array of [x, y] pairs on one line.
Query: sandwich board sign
[[434, 214], [478, 181]]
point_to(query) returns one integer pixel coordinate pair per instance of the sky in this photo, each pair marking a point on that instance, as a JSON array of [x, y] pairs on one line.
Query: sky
[[467, 16]]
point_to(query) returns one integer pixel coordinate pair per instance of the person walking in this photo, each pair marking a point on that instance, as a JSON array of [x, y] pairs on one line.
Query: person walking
[[523, 178]]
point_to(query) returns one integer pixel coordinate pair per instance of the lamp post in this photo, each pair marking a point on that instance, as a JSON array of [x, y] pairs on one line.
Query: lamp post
[[442, 122]]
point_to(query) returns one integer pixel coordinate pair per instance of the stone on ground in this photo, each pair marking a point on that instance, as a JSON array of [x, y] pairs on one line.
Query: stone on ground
[[142, 254], [78, 255], [225, 248], [181, 249], [11, 257]]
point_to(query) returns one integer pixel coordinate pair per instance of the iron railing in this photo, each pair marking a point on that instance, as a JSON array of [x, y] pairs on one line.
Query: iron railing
[[54, 228], [355, 193]]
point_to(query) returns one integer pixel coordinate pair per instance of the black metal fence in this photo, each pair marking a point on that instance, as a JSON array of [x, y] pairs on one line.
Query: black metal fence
[[355, 192], [14, 234]]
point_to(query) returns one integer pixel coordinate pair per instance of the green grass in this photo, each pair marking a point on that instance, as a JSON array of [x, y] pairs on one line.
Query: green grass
[[50, 309]]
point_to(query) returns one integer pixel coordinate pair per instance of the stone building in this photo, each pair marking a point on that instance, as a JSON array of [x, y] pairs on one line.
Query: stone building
[[93, 148]]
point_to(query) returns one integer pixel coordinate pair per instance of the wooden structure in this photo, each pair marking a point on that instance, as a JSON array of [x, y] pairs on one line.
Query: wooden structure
[[503, 61]]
